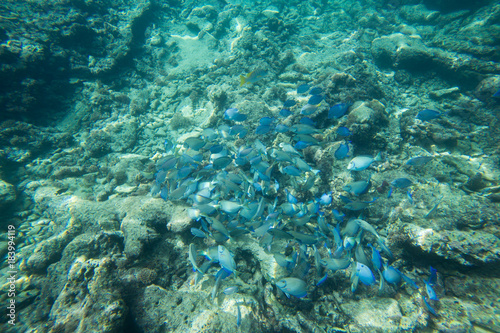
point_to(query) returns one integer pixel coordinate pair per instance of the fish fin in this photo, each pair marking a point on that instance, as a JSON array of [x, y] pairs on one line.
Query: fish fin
[[243, 80], [378, 158]]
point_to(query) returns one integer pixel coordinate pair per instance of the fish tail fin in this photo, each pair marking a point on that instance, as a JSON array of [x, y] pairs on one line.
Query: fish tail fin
[[243, 80], [378, 158]]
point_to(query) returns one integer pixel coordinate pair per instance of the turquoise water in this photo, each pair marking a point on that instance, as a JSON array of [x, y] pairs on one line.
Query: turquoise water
[[250, 166]]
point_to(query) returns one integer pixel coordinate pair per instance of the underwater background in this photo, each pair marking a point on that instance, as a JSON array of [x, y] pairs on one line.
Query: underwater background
[[253, 166]]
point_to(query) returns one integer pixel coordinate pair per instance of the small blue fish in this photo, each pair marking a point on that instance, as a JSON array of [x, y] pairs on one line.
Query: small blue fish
[[431, 310], [266, 120], [342, 151], [401, 182], [198, 233], [360, 163], [230, 290], [427, 114], [195, 143], [338, 110], [291, 170], [302, 145], [419, 160], [233, 114], [303, 88], [343, 131], [391, 275], [326, 199], [262, 129], [376, 258], [430, 292], [336, 264], [280, 128], [410, 196], [290, 198], [315, 100], [365, 274], [226, 260], [289, 103], [357, 188], [433, 278], [253, 76], [322, 280], [169, 145], [285, 113], [316, 91], [238, 315], [239, 130], [292, 286], [308, 109], [307, 121], [221, 162]]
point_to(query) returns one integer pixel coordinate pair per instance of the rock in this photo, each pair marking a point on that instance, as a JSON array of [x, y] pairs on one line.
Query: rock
[[7, 194], [475, 248], [374, 315], [89, 300], [366, 120], [402, 51], [438, 94], [486, 88]]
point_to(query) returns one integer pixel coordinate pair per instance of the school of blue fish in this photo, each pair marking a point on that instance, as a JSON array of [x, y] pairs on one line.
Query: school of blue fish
[[264, 191]]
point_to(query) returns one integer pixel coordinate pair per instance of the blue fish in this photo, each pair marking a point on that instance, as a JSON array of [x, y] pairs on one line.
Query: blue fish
[[433, 278], [342, 151], [307, 121], [343, 131], [316, 91], [285, 113], [308, 109], [338, 215], [292, 286], [428, 114], [289, 103], [365, 274], [262, 129], [376, 258], [184, 172], [391, 275], [315, 99], [357, 188], [169, 145], [230, 290], [430, 292], [198, 233], [233, 114], [221, 162], [195, 143], [266, 121], [326, 199], [431, 310], [419, 160], [338, 110], [401, 182], [360, 163], [226, 260], [280, 128], [302, 145], [239, 130], [303, 88], [322, 280], [290, 198]]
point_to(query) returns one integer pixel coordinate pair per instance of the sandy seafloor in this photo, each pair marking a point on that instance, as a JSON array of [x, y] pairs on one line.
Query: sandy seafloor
[[91, 89]]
